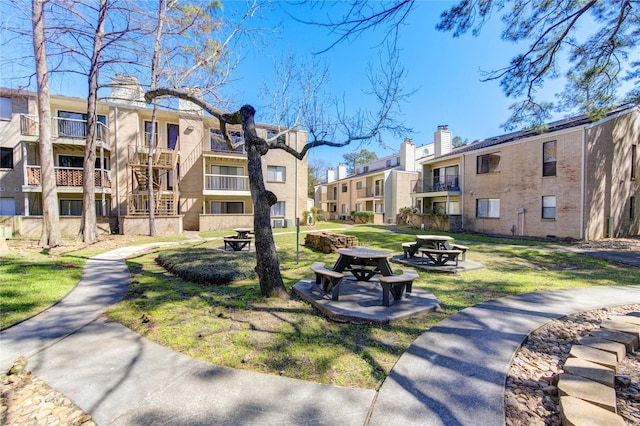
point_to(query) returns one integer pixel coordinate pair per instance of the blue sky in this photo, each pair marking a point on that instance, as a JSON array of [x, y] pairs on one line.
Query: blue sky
[[444, 71]]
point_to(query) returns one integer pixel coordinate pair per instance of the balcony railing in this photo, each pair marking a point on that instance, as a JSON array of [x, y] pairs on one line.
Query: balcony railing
[[226, 182], [446, 183], [138, 205], [68, 176], [62, 128], [369, 192]]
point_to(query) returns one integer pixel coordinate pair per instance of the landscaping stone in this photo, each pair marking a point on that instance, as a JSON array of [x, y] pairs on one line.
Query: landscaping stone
[[605, 345], [576, 412], [629, 341], [627, 318], [587, 390], [598, 356], [623, 326], [590, 370]]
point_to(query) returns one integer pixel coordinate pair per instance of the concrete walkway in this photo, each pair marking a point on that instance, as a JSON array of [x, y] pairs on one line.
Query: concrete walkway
[[454, 374]]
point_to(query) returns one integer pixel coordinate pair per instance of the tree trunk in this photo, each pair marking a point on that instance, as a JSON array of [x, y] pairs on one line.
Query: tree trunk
[[268, 264], [50, 236], [88, 225]]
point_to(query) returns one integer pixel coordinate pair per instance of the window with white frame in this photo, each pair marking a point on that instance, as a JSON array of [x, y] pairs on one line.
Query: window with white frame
[[276, 174], [439, 207], [549, 158], [6, 108], [278, 209], [345, 209], [488, 163], [359, 185], [226, 207], [488, 207], [379, 208], [549, 207]]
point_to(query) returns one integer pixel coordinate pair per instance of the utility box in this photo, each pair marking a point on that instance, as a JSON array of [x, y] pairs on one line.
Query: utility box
[[277, 223]]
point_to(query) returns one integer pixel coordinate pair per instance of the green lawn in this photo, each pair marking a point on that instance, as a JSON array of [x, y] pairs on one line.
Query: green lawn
[[232, 325]]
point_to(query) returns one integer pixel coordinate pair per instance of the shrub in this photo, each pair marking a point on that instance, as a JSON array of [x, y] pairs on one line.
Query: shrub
[[207, 266], [363, 217]]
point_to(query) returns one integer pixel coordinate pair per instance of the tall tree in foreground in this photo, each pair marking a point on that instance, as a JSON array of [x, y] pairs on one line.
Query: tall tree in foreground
[[88, 226], [361, 127], [50, 236]]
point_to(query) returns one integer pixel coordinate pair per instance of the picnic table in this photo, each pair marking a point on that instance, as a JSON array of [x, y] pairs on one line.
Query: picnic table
[[363, 263], [239, 241], [436, 242], [243, 232]]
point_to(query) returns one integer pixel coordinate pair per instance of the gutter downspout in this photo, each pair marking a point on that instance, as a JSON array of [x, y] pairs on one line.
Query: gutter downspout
[[115, 141], [462, 169], [296, 208], [582, 181]]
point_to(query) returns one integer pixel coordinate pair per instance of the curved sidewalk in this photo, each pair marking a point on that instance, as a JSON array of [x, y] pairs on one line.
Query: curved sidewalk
[[453, 374]]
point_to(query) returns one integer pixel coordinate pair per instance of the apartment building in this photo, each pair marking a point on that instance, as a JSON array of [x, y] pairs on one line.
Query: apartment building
[[379, 186], [578, 179], [198, 182]]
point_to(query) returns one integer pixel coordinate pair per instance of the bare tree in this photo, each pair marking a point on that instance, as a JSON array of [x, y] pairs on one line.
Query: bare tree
[[50, 236], [361, 127]]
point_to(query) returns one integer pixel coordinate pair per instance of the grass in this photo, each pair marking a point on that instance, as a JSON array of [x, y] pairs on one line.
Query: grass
[[33, 280], [232, 325]]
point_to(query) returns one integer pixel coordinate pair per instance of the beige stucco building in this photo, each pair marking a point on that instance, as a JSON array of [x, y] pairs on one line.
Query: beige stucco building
[[380, 186], [578, 179], [199, 183]]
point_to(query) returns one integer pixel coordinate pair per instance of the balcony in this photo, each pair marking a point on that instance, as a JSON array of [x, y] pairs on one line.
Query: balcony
[[214, 182], [442, 184], [64, 128], [369, 193], [138, 205], [68, 176]]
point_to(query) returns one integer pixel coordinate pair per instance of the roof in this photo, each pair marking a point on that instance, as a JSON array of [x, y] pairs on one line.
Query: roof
[[555, 126]]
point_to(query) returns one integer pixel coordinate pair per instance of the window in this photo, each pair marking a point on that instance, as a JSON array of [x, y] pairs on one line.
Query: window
[[359, 185], [5, 108], [173, 132], [344, 208], [227, 207], [70, 207], [271, 135], [71, 161], [488, 207], [147, 133], [439, 207], [379, 208], [488, 163], [218, 143], [344, 187], [7, 206], [549, 207], [378, 188], [74, 124], [632, 208], [634, 159], [276, 174], [278, 209], [226, 170], [6, 158], [397, 161], [549, 158], [365, 169], [388, 163]]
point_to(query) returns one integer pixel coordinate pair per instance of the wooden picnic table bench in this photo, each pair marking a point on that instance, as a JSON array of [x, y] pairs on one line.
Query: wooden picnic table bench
[[396, 285], [441, 257], [328, 279], [236, 243]]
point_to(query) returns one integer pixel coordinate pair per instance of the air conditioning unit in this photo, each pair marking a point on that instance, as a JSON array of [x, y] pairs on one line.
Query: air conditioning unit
[[277, 223]]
